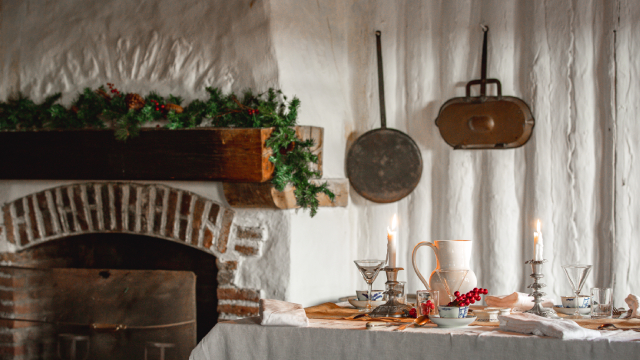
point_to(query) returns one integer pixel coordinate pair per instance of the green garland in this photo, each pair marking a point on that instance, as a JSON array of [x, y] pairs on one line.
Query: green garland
[[271, 109]]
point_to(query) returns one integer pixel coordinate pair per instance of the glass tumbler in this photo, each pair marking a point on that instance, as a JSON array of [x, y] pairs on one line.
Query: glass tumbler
[[601, 303], [427, 302], [400, 295]]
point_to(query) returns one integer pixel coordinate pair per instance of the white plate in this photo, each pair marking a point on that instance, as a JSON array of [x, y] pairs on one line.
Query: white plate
[[452, 322], [571, 311], [362, 304]]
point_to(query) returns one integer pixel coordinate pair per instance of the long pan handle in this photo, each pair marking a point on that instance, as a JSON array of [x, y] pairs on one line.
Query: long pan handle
[[483, 74], [383, 111]]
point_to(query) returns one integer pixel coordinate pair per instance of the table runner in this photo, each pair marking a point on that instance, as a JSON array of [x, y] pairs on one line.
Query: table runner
[[334, 312]]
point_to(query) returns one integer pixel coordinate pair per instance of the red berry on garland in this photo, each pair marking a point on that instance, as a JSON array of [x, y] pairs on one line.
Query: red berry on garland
[[472, 301], [466, 303], [477, 298], [456, 294], [485, 291], [475, 289]]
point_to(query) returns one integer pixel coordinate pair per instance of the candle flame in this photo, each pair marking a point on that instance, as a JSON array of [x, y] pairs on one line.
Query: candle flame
[[538, 226]]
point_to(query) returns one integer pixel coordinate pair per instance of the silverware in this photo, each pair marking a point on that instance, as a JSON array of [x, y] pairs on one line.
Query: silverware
[[613, 327]]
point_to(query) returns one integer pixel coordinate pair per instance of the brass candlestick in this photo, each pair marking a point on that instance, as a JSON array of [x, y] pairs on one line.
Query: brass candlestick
[[538, 309], [393, 307]]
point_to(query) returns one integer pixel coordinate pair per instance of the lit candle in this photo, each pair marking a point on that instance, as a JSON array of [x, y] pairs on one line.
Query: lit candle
[[392, 237], [537, 244]]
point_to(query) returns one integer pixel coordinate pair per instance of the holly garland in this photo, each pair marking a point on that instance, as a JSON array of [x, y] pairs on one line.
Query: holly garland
[[292, 157]]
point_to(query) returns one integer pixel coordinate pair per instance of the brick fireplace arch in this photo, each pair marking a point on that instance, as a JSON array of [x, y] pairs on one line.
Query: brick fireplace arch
[[144, 209]]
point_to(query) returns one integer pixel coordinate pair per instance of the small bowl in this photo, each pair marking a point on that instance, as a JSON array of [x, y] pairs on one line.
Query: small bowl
[[376, 295], [487, 315], [454, 312], [501, 311], [569, 302]]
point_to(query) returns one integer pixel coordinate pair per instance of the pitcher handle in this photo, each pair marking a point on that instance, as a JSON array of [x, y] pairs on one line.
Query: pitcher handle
[[413, 260]]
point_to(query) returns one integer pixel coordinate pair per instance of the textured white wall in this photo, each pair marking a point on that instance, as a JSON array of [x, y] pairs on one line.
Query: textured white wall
[[576, 174]]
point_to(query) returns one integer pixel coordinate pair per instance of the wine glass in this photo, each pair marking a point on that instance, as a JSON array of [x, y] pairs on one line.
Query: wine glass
[[452, 280], [369, 270], [577, 275]]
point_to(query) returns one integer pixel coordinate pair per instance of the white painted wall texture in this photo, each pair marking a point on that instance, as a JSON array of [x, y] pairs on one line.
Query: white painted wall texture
[[574, 62]]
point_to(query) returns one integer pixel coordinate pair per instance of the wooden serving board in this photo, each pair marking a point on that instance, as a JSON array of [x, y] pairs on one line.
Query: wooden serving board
[[220, 154]]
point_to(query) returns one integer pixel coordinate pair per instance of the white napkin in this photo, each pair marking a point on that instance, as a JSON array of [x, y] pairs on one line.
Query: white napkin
[[632, 301], [558, 328], [516, 301], [282, 313]]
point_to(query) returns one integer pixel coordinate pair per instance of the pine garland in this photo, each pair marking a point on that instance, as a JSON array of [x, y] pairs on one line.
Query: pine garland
[[127, 113]]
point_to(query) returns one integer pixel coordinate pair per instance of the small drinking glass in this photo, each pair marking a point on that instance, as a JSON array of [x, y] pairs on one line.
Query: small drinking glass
[[601, 303], [398, 288], [427, 302]]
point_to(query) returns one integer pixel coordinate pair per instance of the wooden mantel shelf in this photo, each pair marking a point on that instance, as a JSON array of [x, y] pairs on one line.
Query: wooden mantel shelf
[[265, 195], [220, 154]]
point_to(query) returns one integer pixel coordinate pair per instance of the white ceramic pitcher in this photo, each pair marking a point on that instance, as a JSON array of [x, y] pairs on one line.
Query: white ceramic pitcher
[[450, 255]]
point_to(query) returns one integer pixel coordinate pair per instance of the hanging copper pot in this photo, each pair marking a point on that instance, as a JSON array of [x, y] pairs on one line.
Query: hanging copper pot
[[485, 122]]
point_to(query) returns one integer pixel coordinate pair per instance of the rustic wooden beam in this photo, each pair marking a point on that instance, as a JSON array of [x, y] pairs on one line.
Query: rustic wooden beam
[[220, 154], [265, 195]]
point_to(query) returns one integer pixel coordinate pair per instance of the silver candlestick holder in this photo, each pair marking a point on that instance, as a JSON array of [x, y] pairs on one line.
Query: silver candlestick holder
[[393, 307], [538, 309]]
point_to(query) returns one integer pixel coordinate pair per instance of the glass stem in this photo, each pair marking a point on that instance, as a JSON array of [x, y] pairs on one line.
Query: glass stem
[[369, 296], [577, 313]]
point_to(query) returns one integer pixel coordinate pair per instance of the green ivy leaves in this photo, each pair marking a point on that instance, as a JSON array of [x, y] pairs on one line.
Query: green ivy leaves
[[292, 158]]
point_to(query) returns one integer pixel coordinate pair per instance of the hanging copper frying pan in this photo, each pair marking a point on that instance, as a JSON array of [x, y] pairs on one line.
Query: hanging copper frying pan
[[485, 122], [384, 165]]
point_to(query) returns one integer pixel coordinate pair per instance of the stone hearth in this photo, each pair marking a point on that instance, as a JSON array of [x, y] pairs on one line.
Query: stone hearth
[[150, 210]]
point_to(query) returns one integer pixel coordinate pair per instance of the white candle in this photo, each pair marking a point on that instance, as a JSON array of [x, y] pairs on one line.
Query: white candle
[[537, 244], [392, 238]]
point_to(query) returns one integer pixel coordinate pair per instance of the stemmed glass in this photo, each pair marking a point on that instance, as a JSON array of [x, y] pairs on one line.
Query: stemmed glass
[[369, 270], [577, 275], [452, 280]]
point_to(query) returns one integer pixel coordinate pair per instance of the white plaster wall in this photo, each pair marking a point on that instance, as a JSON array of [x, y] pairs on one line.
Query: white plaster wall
[[577, 174]]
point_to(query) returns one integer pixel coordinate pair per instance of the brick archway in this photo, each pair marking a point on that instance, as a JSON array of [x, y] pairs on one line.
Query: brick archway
[[152, 210], [145, 209]]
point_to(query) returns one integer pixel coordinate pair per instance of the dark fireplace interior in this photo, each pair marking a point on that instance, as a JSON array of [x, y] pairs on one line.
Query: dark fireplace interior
[[132, 252]]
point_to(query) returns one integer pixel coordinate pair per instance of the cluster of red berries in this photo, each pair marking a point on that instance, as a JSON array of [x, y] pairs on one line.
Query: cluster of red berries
[[252, 111], [427, 306], [158, 106], [413, 313], [469, 298], [113, 89]]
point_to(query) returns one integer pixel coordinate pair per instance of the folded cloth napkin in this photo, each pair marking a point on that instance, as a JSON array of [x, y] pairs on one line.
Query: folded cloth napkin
[[516, 301], [632, 301], [276, 312], [558, 328]]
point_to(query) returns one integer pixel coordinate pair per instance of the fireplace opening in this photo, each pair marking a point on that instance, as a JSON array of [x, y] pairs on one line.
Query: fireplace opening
[[132, 252]]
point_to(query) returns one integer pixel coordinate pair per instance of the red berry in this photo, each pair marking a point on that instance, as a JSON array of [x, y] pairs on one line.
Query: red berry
[[413, 313], [472, 301], [162, 106], [157, 109], [477, 298], [456, 294], [485, 291], [466, 303], [475, 289]]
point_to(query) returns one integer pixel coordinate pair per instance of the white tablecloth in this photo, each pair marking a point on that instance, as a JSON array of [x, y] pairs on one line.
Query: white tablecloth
[[335, 339]]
